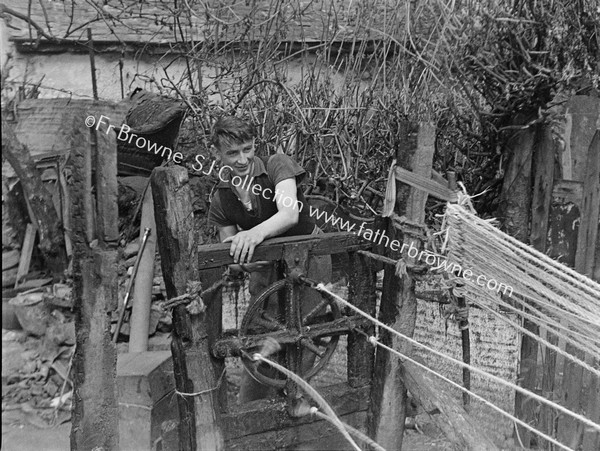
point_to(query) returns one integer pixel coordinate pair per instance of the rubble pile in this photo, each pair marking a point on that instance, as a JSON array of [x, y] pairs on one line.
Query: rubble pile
[[36, 386]]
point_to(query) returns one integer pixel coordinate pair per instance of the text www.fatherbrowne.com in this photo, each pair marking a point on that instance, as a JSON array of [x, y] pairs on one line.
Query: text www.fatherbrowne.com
[[124, 133], [432, 259]]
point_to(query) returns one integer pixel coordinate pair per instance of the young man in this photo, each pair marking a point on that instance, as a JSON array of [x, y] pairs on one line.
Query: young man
[[258, 199]]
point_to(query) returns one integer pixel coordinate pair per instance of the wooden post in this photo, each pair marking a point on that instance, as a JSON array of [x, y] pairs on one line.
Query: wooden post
[[387, 412], [92, 63], [543, 181], [516, 211], [463, 325], [580, 389], [361, 293], [195, 369], [95, 409]]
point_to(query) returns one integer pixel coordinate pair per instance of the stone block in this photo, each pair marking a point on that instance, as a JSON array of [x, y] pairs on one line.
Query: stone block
[[148, 415]]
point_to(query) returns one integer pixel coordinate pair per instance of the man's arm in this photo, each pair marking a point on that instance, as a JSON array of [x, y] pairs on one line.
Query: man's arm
[[226, 232], [243, 243]]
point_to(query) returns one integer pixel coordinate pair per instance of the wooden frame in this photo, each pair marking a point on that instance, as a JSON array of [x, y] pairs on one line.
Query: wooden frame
[[198, 355]]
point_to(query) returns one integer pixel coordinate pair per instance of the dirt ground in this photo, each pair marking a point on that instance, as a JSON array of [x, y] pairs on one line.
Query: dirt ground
[[26, 437], [23, 427]]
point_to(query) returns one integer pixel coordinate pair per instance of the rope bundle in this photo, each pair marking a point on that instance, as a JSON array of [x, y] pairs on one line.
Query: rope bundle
[[544, 291]]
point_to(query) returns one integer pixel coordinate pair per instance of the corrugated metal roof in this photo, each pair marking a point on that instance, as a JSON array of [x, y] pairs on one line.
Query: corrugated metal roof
[[153, 21]]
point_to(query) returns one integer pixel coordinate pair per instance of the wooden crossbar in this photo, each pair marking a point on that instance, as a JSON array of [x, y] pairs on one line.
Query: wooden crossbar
[[430, 186]]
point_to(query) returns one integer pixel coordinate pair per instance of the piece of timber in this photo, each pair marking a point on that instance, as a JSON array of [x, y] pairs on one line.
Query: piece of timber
[[270, 415], [26, 252], [361, 294], [195, 370], [543, 178], [387, 411], [95, 409], [231, 346], [579, 386], [430, 186], [215, 255], [458, 426], [320, 435], [107, 219]]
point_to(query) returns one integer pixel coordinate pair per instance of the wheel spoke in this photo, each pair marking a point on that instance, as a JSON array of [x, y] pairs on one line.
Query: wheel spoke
[[310, 315], [306, 343], [268, 317], [267, 322]]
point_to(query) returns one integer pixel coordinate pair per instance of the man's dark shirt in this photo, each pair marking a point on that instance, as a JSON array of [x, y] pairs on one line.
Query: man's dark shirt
[[227, 209]]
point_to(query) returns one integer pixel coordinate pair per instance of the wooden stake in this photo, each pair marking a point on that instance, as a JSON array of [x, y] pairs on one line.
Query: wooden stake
[[543, 178], [398, 301], [580, 388], [26, 251], [195, 368], [516, 211], [465, 337], [92, 63], [95, 422]]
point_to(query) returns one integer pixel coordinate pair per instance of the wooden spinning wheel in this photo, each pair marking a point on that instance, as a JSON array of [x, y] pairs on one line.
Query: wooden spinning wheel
[[308, 337]]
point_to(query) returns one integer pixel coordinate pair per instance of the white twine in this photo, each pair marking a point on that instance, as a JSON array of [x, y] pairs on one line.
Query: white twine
[[313, 393], [321, 287], [376, 342]]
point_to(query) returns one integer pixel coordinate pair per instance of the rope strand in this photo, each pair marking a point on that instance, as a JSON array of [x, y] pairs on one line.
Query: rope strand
[[376, 342], [497, 379]]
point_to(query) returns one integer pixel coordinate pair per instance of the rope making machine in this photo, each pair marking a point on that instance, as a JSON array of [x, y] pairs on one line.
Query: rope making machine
[[276, 314]]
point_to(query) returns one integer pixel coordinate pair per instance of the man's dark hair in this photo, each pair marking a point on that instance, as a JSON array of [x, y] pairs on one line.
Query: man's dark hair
[[231, 130]]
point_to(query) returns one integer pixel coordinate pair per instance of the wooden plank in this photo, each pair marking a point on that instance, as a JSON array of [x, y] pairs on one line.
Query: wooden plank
[[458, 426], [566, 160], [334, 441], [362, 294], [195, 368], [217, 255], [543, 175], [264, 415], [584, 111], [26, 251], [88, 200], [107, 219], [578, 386], [95, 411], [66, 210], [214, 318], [543, 165], [322, 434], [590, 211], [439, 178], [423, 183], [516, 209], [39, 200], [398, 301]]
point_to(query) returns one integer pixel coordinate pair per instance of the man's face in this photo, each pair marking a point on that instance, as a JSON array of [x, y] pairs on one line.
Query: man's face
[[238, 157]]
